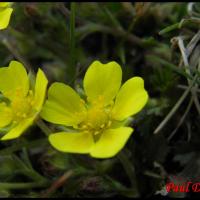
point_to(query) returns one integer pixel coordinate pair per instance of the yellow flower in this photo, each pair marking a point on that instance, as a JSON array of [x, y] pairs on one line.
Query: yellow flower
[[19, 103], [98, 123], [5, 14]]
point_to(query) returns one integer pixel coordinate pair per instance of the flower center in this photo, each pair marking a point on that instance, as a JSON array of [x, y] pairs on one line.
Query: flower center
[[97, 119], [21, 107]]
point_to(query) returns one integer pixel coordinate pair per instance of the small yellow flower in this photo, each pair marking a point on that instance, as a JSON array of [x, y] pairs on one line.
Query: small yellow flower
[[98, 122], [5, 14], [19, 104]]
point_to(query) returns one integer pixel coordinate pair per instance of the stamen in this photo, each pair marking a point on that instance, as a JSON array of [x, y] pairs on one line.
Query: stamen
[[24, 115], [102, 126], [22, 106], [14, 122], [84, 126], [30, 92], [97, 118], [89, 124], [96, 132], [109, 123]]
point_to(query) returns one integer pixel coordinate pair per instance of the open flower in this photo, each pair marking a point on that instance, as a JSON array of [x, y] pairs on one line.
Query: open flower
[[19, 103], [5, 14], [97, 123]]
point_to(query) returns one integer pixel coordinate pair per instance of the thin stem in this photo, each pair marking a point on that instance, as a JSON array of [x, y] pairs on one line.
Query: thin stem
[[23, 185], [130, 170], [113, 31], [182, 118], [72, 68], [26, 158], [184, 87], [15, 53], [175, 108], [58, 183], [113, 20], [128, 7], [43, 127], [170, 66], [185, 54], [29, 171], [18, 146]]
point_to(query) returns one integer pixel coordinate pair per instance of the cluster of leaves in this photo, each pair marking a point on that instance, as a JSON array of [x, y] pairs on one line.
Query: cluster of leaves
[[147, 39]]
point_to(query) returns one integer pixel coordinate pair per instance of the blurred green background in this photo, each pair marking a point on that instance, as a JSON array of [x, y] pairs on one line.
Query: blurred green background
[[157, 41]]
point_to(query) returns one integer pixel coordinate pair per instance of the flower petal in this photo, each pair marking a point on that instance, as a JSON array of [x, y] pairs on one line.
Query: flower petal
[[18, 129], [111, 142], [4, 4], [102, 80], [72, 142], [5, 115], [5, 15], [64, 106], [13, 77], [40, 89], [131, 98]]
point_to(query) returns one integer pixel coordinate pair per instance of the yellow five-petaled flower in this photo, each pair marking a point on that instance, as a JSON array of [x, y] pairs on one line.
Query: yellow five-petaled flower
[[5, 13], [97, 122], [19, 103]]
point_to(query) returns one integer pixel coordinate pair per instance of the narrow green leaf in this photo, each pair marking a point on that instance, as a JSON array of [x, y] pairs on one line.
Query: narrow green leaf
[[169, 28]]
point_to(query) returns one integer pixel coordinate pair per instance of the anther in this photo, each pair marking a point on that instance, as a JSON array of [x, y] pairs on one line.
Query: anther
[[24, 115], [102, 126], [30, 92], [89, 124], [109, 123], [96, 132], [84, 127]]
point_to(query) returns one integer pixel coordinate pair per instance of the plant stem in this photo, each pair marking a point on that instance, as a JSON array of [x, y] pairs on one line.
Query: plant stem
[[29, 171], [18, 146], [23, 185], [72, 68], [184, 87], [182, 118], [58, 183], [185, 54], [43, 127], [175, 108], [12, 48], [130, 171]]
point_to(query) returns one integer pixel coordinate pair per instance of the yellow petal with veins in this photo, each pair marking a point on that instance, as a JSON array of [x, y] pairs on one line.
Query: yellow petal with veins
[[131, 98], [4, 4], [40, 90], [5, 115], [14, 80], [102, 82], [18, 129], [5, 15], [72, 142], [111, 142], [64, 106]]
